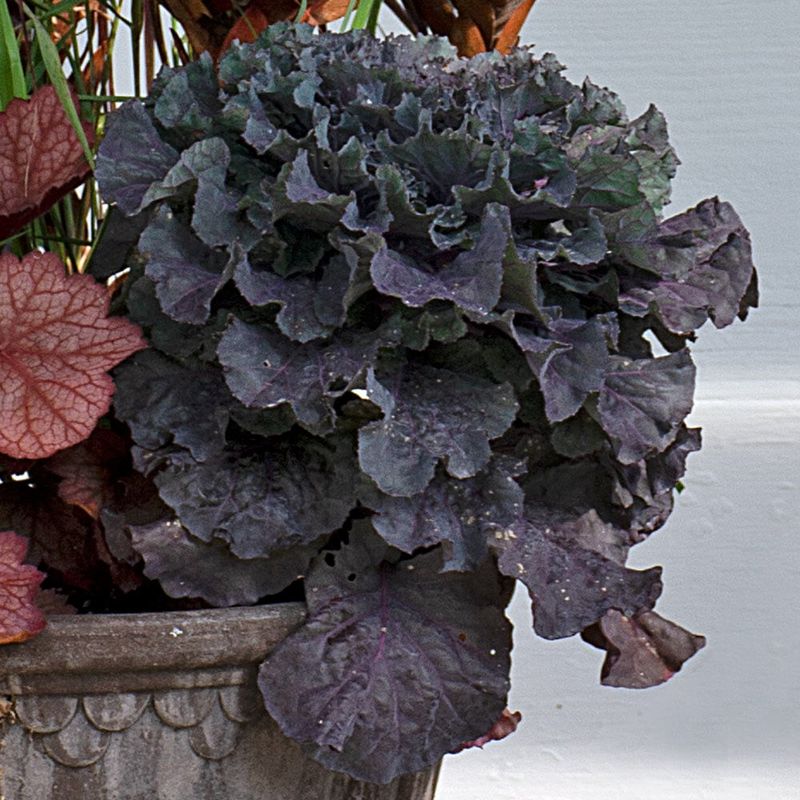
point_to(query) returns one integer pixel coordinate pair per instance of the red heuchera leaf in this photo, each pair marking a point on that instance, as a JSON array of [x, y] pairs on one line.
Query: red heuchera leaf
[[88, 470], [506, 725], [62, 537], [643, 651], [56, 345], [20, 617], [41, 159]]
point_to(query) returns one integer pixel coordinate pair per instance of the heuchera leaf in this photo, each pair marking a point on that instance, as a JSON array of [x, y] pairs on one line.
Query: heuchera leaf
[[188, 567], [20, 616], [185, 272], [643, 650], [472, 280], [164, 402], [461, 515], [264, 501], [431, 415], [88, 469], [393, 652], [644, 402], [56, 345], [705, 261], [131, 157], [575, 571], [41, 158], [264, 369], [61, 536]]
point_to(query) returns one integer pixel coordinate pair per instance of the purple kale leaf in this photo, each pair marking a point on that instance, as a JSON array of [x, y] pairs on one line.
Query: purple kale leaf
[[298, 198], [131, 158], [392, 652], [461, 515], [569, 359], [186, 273], [430, 415], [165, 402], [260, 500], [642, 650], [472, 280], [574, 569], [704, 259], [189, 567], [644, 402], [264, 369]]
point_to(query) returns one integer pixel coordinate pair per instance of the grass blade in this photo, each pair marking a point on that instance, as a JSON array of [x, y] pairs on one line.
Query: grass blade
[[12, 76], [367, 15], [52, 65]]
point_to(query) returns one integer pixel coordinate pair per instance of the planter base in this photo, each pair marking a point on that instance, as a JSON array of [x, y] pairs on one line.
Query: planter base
[[197, 732]]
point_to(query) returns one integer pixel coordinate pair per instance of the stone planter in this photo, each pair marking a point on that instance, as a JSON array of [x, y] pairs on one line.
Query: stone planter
[[159, 707]]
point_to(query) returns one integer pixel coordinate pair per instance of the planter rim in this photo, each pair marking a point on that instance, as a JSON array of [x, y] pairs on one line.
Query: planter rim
[[155, 649]]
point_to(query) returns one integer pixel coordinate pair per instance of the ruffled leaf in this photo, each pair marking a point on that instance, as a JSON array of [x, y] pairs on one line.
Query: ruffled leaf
[[705, 261], [264, 501], [644, 401], [575, 571], [431, 415], [461, 515], [188, 567], [642, 650], [472, 280], [131, 158], [264, 369], [390, 653]]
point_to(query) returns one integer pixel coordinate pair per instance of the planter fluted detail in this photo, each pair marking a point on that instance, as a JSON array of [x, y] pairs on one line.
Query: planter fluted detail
[[159, 707]]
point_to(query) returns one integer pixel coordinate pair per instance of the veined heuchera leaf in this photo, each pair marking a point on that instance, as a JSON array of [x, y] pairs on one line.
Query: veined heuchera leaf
[[431, 415], [56, 345], [41, 158], [88, 469], [20, 616], [392, 652]]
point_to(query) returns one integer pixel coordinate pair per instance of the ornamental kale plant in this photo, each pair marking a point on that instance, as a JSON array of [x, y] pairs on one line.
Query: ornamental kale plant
[[404, 315]]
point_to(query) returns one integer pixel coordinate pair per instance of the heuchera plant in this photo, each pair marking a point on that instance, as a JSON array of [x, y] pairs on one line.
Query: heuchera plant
[[404, 315]]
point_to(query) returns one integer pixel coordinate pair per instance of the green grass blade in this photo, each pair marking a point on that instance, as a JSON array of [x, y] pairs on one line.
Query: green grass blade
[[347, 14], [367, 15], [301, 12], [52, 65], [12, 75]]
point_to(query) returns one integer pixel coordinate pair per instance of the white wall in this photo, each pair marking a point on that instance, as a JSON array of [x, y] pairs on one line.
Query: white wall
[[727, 75]]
